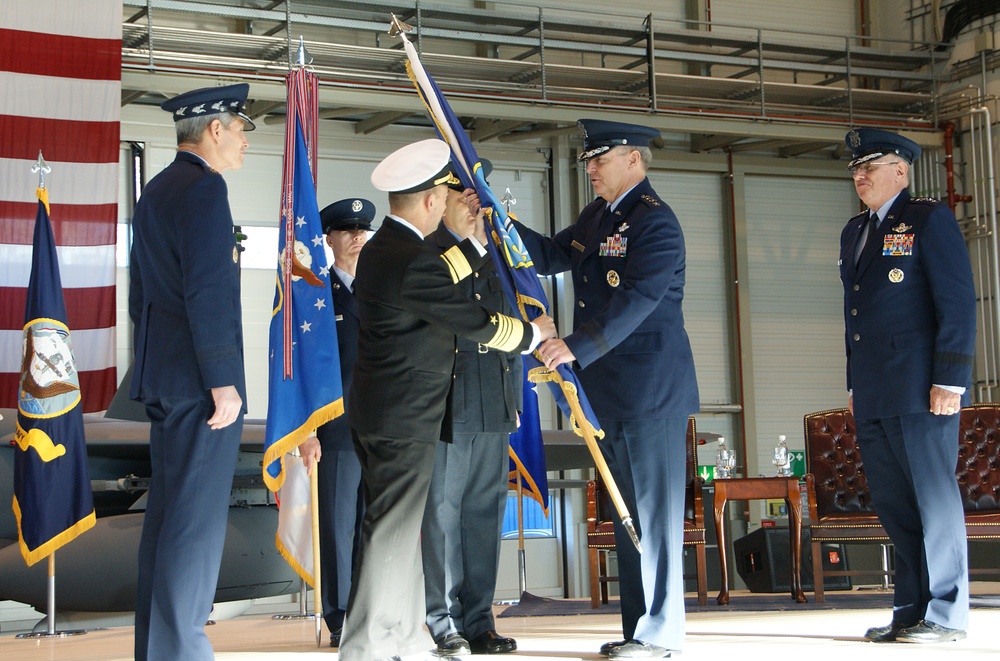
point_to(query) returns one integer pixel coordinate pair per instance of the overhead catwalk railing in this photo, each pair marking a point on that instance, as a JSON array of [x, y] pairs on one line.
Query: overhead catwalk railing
[[554, 56]]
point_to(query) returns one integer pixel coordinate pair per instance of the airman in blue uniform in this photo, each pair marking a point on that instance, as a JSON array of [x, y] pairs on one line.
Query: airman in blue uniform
[[460, 535], [184, 302], [626, 255], [346, 224], [909, 310]]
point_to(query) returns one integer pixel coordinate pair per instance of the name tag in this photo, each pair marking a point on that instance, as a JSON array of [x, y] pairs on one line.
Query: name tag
[[579, 246]]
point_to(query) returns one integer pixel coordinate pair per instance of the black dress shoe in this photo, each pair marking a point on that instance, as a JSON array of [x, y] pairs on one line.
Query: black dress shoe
[[490, 642], [453, 645], [886, 634], [929, 632], [607, 647], [636, 649], [335, 637]]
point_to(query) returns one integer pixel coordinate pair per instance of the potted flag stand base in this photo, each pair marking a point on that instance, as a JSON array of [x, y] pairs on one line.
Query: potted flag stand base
[[50, 618]]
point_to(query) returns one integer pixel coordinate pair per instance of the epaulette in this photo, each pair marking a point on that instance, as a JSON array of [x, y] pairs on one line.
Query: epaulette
[[650, 200], [924, 200], [863, 214]]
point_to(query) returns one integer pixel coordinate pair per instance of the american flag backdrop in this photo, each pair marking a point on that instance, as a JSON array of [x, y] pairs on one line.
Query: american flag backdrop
[[60, 93]]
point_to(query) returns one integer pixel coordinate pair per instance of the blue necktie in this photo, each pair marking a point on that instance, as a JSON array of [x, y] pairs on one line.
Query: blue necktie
[[870, 241]]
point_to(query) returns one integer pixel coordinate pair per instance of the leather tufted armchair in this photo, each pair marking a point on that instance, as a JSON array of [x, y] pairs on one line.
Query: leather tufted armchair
[[840, 507], [601, 534]]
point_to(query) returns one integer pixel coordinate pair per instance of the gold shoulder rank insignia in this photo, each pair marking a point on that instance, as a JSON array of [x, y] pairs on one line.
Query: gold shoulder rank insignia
[[902, 227], [651, 201], [923, 199]]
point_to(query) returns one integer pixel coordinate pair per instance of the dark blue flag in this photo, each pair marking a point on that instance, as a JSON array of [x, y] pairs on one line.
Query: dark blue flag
[[304, 389], [53, 503], [518, 275]]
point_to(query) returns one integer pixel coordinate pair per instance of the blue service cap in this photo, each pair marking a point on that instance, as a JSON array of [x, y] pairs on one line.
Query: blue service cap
[[869, 144], [601, 135], [487, 169], [416, 167], [354, 213], [211, 101]]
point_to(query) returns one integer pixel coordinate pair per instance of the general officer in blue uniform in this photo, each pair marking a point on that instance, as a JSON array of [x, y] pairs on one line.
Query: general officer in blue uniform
[[411, 311], [346, 224], [184, 302], [626, 255], [909, 308], [460, 535]]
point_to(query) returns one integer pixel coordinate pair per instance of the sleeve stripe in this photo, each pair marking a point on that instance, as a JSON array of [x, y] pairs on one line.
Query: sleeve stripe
[[458, 265], [509, 334]]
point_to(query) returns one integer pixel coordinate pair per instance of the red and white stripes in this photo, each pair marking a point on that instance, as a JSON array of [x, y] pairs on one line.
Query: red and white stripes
[[60, 93]]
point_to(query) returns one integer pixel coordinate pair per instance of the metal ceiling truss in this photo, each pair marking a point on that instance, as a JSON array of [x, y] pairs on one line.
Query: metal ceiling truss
[[512, 59]]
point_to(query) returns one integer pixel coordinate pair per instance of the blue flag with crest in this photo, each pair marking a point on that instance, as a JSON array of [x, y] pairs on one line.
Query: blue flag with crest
[[53, 503], [304, 389]]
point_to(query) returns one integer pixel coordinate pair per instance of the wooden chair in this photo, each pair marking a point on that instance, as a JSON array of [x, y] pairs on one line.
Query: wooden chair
[[601, 534], [840, 507]]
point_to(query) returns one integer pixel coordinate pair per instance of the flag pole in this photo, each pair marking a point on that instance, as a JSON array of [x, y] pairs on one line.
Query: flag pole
[[317, 585], [42, 168], [542, 374], [522, 581]]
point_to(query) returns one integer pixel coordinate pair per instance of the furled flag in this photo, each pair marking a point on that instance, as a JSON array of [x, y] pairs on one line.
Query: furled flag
[[516, 270], [53, 503], [304, 389]]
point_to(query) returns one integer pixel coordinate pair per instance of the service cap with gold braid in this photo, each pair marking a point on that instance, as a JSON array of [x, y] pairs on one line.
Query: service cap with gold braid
[[416, 167]]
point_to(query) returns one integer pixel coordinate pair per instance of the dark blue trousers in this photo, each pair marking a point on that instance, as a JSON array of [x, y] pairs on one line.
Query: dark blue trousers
[[910, 465], [184, 529], [341, 509], [460, 535], [648, 460]]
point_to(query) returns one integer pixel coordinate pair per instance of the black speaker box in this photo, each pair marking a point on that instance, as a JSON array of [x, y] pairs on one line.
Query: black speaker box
[[762, 561]]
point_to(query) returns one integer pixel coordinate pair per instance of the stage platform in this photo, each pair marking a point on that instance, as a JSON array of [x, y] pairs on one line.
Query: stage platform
[[727, 634]]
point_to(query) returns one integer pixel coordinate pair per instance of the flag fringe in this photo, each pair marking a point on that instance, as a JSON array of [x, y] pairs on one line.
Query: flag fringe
[[292, 561], [530, 488], [31, 556], [276, 451]]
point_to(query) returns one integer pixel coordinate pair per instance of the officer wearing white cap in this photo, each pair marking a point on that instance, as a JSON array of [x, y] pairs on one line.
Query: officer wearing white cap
[[346, 224], [460, 535], [184, 302], [411, 311], [626, 254], [910, 315]]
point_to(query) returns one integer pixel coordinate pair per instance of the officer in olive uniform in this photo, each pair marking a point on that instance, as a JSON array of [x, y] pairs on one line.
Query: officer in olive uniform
[[460, 535], [626, 255], [346, 224], [184, 302], [909, 308], [410, 312]]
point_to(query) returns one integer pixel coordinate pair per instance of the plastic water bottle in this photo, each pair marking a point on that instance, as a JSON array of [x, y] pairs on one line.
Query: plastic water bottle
[[725, 460], [782, 458]]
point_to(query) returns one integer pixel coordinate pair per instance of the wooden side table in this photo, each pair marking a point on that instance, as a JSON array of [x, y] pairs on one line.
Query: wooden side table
[[753, 488]]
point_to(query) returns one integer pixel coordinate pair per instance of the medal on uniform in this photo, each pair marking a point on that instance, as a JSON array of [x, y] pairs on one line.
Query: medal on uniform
[[613, 278], [895, 276], [614, 246]]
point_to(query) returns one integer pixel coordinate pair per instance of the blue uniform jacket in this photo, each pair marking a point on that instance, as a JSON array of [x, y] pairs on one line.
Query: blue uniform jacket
[[628, 278], [184, 289], [909, 309], [486, 387], [336, 434]]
